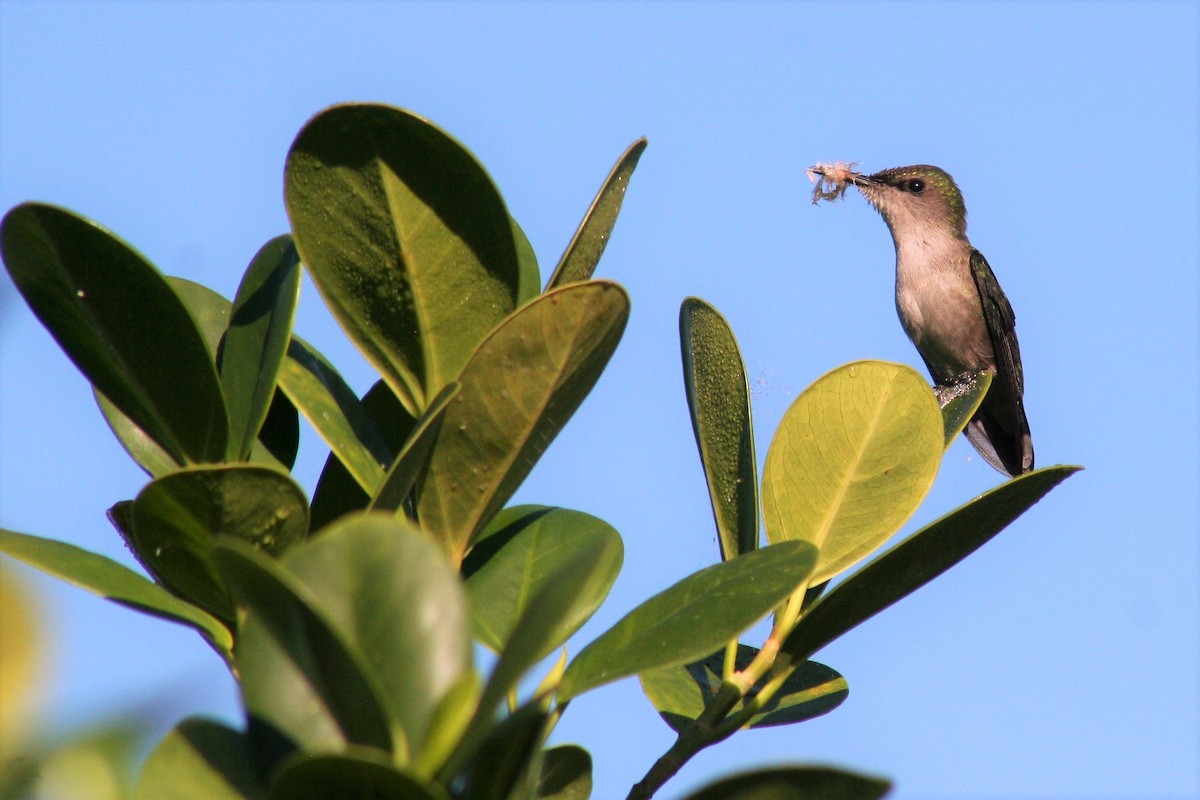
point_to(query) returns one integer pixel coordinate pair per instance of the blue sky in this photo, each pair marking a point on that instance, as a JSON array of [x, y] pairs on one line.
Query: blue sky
[[1059, 661]]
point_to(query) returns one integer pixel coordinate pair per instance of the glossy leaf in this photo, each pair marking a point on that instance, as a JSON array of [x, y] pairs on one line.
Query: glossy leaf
[[852, 460], [110, 580], [518, 391], [718, 396], [681, 693], [523, 550], [121, 324], [919, 559], [789, 783], [960, 403], [692, 618], [299, 673], [333, 409], [260, 328], [406, 238], [413, 454], [393, 598], [566, 774], [176, 518], [360, 774], [583, 253], [200, 760]]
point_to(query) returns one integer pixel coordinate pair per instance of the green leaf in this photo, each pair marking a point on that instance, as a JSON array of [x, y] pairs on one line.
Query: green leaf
[[280, 434], [393, 598], [518, 391], [254, 346], [359, 774], [852, 460], [406, 238], [333, 409], [176, 518], [200, 760], [414, 453], [506, 755], [110, 580], [566, 774], [789, 783], [299, 673], [692, 618], [530, 281], [919, 559], [523, 550], [681, 693], [718, 396], [583, 253], [121, 324], [960, 404]]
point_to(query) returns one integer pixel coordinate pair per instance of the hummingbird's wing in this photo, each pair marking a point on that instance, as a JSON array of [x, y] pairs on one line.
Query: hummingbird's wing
[[1001, 425]]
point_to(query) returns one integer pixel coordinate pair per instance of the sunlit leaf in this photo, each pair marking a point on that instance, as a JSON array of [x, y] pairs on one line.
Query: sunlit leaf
[[406, 238], [566, 774], [579, 261], [518, 391], [960, 403], [852, 460], [200, 760], [692, 618]]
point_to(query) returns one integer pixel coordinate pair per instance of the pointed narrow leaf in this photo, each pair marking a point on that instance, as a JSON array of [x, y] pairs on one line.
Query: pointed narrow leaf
[[960, 406], [110, 580], [406, 238], [525, 550], [566, 774], [413, 454], [718, 396], [359, 774], [121, 324], [692, 618], [518, 391], [582, 255], [333, 409], [200, 760], [298, 673], [394, 599], [260, 328], [919, 559], [789, 783], [681, 693], [176, 519], [852, 460]]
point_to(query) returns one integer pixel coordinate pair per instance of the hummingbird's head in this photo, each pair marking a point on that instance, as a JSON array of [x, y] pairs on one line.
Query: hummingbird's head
[[912, 199]]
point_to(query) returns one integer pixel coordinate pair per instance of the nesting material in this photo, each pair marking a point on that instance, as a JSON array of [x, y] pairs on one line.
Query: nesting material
[[832, 179]]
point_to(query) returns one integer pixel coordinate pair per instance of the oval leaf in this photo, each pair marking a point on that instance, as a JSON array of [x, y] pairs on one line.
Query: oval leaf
[[582, 255], [393, 598], [681, 693], [852, 460], [692, 618], [176, 518], [121, 324], [357, 775], [525, 549], [789, 783], [406, 238], [518, 391], [260, 328], [718, 396], [200, 760], [566, 774]]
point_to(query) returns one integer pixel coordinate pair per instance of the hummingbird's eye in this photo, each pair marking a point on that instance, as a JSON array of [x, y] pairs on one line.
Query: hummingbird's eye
[[916, 185]]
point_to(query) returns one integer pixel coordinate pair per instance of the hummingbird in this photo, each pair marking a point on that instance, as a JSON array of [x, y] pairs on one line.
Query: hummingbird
[[949, 301]]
